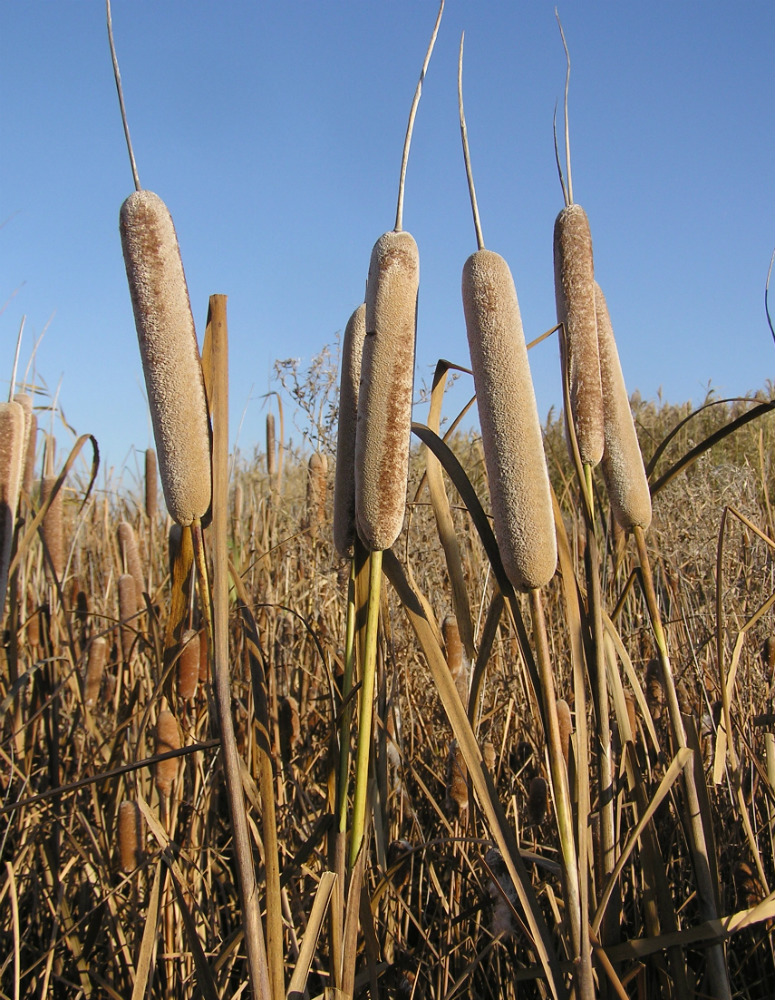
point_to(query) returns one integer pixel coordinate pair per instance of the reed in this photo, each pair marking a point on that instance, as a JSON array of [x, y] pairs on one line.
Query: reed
[[271, 451], [349, 384]]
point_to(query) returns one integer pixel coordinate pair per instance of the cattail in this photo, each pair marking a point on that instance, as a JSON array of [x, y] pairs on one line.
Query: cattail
[[632, 714], [11, 458], [566, 727], [151, 491], [127, 611], [768, 656], [488, 753], [238, 503], [575, 298], [344, 483], [31, 438], [655, 691], [95, 667], [204, 659], [317, 472], [457, 661], [536, 800], [457, 781], [385, 397], [167, 738], [170, 355], [623, 471], [131, 834], [188, 665], [32, 624], [508, 415], [289, 726], [130, 554], [270, 445], [502, 893], [51, 529]]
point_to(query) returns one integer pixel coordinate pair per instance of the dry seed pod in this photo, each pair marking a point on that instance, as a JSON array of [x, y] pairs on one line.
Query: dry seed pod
[[508, 416], [290, 727], [270, 445], [575, 298], [167, 738], [344, 482], [488, 753], [188, 665], [654, 689], [130, 554], [127, 610], [768, 656], [51, 529], [28, 477], [536, 801], [317, 473], [151, 491], [457, 662], [632, 714], [623, 471], [385, 396], [457, 782], [131, 834], [30, 433], [95, 667], [170, 355], [502, 893], [11, 459], [566, 727]]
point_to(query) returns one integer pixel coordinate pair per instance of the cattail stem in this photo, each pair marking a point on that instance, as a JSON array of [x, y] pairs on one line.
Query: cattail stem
[[366, 707], [466, 151], [119, 88], [579, 928], [347, 686], [706, 891]]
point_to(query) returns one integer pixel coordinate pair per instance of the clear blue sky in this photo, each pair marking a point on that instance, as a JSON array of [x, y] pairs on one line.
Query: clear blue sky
[[274, 131]]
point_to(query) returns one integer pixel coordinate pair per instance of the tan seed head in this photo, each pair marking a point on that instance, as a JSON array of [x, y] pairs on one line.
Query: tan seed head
[[508, 416], [95, 668], [317, 490], [127, 612], [131, 834], [170, 355], [457, 661], [575, 298], [51, 529], [623, 471], [457, 782], [188, 665], [167, 738], [151, 490], [130, 555], [344, 482], [385, 397], [11, 459], [566, 727], [270, 445]]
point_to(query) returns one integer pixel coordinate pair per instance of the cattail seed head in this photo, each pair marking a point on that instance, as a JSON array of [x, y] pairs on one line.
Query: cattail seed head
[[457, 661], [488, 753], [11, 459], [457, 782], [290, 727], [95, 668], [565, 726], [131, 835], [385, 396], [537, 799], [575, 299], [654, 689], [51, 529], [623, 471], [188, 665], [130, 555], [167, 738], [317, 488], [151, 486], [270, 445], [28, 477], [170, 355], [508, 416], [344, 482], [127, 611]]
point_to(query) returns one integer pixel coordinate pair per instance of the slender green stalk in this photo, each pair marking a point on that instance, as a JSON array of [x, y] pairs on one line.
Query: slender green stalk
[[347, 711], [366, 707]]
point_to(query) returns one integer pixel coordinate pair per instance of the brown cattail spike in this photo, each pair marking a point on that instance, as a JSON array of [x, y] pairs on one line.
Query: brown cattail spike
[[170, 355], [11, 459], [167, 738], [317, 488], [130, 555], [457, 661], [566, 727], [385, 397], [131, 834], [457, 782], [151, 486], [537, 799], [270, 445], [188, 665], [344, 483], [51, 530], [508, 415], [127, 611], [623, 471], [95, 667], [575, 298]]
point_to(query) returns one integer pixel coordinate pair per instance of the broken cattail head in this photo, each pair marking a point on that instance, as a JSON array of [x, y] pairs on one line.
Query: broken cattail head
[[344, 482]]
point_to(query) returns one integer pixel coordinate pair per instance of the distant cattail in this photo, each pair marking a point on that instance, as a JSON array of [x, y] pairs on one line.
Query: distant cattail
[[238, 503], [502, 893], [289, 726], [623, 471], [151, 486], [167, 738], [488, 752], [536, 801], [170, 355], [457, 661], [127, 611], [508, 416], [385, 397], [95, 667], [317, 473], [11, 458], [270, 445], [349, 383], [51, 529], [188, 665], [655, 691], [31, 437], [130, 554], [575, 298], [457, 781], [566, 728], [131, 834], [768, 656], [632, 714]]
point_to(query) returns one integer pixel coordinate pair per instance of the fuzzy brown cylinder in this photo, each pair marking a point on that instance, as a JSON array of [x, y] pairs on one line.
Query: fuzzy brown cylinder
[[349, 383]]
